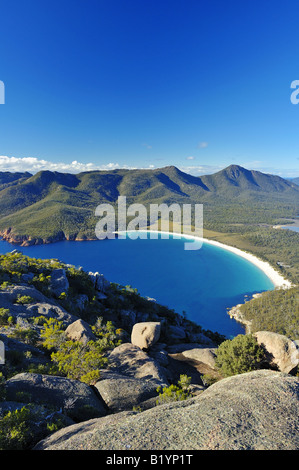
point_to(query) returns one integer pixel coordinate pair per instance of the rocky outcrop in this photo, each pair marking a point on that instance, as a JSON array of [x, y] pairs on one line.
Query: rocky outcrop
[[99, 281], [80, 331], [253, 411], [121, 392], [281, 351], [61, 393], [176, 333], [81, 301], [59, 283], [39, 306], [204, 355], [146, 334], [129, 360], [12, 293]]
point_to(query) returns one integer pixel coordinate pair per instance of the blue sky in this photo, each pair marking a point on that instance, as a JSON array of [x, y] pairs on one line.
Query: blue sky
[[149, 83]]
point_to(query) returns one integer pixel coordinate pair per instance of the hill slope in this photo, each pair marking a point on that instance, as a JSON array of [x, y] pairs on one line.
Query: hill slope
[[51, 206]]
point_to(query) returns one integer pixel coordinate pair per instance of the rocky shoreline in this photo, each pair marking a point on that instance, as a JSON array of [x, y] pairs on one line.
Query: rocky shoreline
[[26, 240], [238, 316]]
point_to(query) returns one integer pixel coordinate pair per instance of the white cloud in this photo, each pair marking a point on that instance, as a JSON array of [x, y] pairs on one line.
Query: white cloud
[[198, 170], [33, 165], [202, 145], [147, 146]]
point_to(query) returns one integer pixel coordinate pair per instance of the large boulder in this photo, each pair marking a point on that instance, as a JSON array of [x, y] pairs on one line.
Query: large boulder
[[48, 310], [204, 355], [253, 411], [80, 331], [282, 352], [121, 392], [70, 395], [11, 294], [146, 334], [130, 360]]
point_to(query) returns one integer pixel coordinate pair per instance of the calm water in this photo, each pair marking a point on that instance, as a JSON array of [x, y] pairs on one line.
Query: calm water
[[290, 227], [203, 283]]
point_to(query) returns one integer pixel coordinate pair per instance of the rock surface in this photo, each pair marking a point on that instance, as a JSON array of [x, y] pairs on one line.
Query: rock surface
[[128, 359], [80, 331], [56, 391], [59, 283], [253, 411], [40, 305], [99, 281], [145, 334], [205, 355], [121, 392], [281, 350]]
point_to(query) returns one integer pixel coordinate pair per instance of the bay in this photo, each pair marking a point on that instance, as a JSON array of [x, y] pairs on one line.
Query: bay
[[202, 284]]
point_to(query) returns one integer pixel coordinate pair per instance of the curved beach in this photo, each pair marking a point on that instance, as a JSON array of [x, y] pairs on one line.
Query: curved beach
[[277, 279]]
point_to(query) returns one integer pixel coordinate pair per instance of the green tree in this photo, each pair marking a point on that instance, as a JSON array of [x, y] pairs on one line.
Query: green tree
[[239, 355]]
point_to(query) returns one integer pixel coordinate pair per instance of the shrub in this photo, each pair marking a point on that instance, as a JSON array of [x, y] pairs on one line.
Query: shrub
[[4, 316], [52, 333], [25, 335], [74, 359], [178, 392], [80, 361], [2, 387], [239, 355], [108, 336], [24, 299], [14, 430]]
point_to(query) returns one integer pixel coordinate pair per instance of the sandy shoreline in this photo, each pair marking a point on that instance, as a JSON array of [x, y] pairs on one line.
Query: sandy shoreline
[[277, 279]]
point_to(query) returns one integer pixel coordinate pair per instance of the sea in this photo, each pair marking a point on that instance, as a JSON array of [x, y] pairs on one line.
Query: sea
[[201, 284]]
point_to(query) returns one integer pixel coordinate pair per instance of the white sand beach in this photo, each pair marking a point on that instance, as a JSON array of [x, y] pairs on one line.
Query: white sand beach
[[278, 280]]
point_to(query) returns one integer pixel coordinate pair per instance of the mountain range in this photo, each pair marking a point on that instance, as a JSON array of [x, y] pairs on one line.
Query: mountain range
[[51, 206]]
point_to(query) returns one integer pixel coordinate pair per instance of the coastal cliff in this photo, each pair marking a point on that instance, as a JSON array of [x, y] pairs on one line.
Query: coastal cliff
[[26, 240]]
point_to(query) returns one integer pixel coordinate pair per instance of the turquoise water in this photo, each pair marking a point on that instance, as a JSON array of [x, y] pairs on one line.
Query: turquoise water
[[289, 227], [203, 283]]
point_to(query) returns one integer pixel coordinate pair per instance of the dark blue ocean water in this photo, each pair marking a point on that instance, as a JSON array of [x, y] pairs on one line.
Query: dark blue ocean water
[[204, 283]]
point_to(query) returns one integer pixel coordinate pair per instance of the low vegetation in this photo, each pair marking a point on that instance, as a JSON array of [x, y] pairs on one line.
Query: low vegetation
[[239, 355], [276, 311], [178, 392], [74, 359]]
